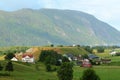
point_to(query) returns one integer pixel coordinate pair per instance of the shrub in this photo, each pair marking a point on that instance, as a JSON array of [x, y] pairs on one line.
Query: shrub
[[89, 74]]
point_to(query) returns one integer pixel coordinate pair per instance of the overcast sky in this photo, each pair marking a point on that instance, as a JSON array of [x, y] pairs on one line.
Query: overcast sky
[[105, 10]]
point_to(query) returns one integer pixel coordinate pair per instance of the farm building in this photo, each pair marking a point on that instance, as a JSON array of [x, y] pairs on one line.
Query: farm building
[[94, 59], [27, 57]]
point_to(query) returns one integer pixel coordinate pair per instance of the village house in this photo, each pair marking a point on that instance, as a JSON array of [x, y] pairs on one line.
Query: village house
[[14, 59], [86, 63], [94, 59], [28, 57], [70, 57], [113, 53]]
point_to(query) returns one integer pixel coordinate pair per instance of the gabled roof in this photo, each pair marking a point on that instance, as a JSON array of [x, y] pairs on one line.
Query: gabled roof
[[27, 54], [14, 59]]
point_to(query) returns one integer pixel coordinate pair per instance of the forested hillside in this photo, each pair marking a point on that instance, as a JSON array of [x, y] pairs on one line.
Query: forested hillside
[[27, 27]]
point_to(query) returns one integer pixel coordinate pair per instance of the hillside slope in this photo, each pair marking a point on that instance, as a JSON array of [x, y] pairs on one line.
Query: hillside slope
[[29, 27]]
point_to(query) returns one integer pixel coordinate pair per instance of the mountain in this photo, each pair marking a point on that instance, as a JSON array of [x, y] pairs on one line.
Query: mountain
[[28, 27]]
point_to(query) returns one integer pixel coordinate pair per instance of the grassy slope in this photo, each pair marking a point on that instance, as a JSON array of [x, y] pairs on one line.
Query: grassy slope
[[24, 71], [28, 72], [60, 50], [66, 50], [73, 50], [104, 72]]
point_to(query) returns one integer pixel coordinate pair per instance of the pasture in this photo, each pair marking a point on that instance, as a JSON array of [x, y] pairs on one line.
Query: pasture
[[23, 71]]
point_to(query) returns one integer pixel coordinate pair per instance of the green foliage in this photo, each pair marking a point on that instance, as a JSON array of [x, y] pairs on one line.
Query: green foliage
[[89, 74], [4, 74], [65, 59], [78, 46], [49, 57], [9, 66], [50, 60], [59, 45], [9, 56], [52, 45], [85, 56], [65, 72], [100, 50], [88, 48]]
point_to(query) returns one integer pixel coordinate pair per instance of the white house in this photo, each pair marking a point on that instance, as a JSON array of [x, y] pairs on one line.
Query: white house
[[28, 58], [14, 59], [113, 53]]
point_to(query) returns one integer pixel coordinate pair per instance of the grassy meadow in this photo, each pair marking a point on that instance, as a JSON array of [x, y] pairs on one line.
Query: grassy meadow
[[29, 72]]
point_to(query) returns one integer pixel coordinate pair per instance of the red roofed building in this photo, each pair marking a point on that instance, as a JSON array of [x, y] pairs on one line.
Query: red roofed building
[[28, 57]]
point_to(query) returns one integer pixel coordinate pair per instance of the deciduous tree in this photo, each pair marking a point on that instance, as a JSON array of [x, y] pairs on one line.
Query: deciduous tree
[[89, 74], [65, 71]]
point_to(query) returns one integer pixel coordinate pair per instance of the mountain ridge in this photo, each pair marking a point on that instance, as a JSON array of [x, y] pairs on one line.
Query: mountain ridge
[[28, 27]]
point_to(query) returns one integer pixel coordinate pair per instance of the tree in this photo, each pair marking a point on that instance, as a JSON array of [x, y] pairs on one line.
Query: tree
[[88, 48], [9, 56], [65, 72], [52, 45], [89, 74], [59, 45], [85, 56], [50, 60], [100, 50], [65, 59], [78, 45], [49, 57], [9, 66]]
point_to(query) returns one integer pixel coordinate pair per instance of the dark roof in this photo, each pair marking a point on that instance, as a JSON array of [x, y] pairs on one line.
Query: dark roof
[[92, 56], [70, 55]]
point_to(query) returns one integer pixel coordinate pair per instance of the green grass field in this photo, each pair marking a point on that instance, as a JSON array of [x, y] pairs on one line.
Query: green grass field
[[104, 72], [24, 71]]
